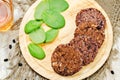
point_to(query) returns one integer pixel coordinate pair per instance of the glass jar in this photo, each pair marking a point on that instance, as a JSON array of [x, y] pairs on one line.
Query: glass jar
[[6, 14]]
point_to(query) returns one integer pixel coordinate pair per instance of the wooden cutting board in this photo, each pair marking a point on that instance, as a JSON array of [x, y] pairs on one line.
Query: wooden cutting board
[[43, 67]]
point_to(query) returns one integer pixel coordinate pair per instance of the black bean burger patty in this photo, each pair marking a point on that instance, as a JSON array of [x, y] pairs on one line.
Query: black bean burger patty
[[66, 60]]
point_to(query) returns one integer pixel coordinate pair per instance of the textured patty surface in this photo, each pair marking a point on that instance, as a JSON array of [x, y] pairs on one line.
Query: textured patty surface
[[67, 59], [90, 29], [87, 46], [90, 15]]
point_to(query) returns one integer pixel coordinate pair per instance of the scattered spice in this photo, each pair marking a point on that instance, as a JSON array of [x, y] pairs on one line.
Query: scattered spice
[[14, 41], [112, 72], [10, 46], [5, 60], [20, 64]]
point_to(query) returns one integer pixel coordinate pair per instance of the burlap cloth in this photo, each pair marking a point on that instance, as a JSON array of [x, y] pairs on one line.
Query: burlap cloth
[[18, 69]]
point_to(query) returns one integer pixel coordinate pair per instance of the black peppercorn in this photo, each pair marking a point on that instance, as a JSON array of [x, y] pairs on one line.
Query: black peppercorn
[[112, 72], [19, 64], [14, 41], [10, 46], [5, 60]]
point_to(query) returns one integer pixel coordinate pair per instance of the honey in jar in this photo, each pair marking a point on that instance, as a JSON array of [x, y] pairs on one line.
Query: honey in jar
[[6, 15]]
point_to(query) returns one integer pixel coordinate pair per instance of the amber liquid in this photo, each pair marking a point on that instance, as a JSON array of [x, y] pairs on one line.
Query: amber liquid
[[6, 15]]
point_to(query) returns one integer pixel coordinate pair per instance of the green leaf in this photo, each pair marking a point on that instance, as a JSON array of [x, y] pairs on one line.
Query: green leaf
[[38, 36], [42, 6], [32, 25], [36, 51], [58, 5], [51, 35], [53, 19]]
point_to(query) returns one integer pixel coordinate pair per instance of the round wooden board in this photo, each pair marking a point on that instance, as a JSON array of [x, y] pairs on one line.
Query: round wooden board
[[43, 67]]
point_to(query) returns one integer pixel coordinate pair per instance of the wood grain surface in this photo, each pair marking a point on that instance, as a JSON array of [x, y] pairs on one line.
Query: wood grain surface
[[43, 67]]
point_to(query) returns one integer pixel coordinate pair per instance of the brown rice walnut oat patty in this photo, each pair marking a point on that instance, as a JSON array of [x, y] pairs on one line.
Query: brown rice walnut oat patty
[[91, 15], [90, 29], [66, 60], [87, 46], [89, 35]]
